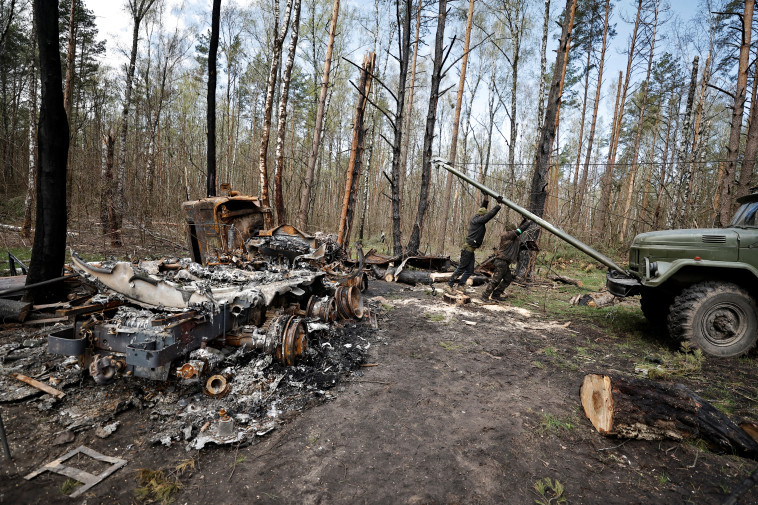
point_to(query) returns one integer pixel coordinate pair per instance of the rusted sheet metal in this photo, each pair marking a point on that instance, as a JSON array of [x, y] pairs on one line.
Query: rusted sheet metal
[[221, 225]]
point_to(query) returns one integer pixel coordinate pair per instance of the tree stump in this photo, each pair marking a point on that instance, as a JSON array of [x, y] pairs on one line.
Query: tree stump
[[636, 408]]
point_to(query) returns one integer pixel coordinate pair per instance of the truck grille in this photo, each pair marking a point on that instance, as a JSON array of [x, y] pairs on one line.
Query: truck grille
[[714, 239]]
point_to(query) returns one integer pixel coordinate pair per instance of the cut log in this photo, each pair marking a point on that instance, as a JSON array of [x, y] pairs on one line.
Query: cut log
[[566, 280], [635, 408], [474, 280], [457, 299], [13, 311], [596, 300]]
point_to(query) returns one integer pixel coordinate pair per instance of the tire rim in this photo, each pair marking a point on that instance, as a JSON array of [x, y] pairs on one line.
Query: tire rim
[[724, 324]]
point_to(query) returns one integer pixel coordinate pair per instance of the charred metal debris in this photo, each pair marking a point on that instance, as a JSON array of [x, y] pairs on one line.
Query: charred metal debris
[[257, 323]]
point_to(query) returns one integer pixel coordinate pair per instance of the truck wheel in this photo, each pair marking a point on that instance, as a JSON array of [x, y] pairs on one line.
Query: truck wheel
[[655, 305], [717, 317]]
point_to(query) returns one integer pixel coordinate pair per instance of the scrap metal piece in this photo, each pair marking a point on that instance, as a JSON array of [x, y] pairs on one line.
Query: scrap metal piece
[[217, 386], [324, 308], [222, 224], [349, 302], [103, 369], [87, 479]]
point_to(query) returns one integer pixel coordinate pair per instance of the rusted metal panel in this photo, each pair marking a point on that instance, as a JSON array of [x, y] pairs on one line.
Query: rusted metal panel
[[223, 224]]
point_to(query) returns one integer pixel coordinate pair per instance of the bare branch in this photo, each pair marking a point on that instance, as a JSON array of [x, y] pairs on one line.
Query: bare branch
[[374, 77]]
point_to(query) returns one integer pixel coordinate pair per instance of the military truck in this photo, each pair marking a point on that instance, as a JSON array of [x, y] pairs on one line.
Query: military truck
[[702, 284]]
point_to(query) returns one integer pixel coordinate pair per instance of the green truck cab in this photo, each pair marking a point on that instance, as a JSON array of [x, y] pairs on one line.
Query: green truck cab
[[701, 283]]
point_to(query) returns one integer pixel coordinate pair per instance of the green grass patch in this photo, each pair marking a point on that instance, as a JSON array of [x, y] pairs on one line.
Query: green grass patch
[[435, 318], [449, 346], [669, 365], [555, 425]]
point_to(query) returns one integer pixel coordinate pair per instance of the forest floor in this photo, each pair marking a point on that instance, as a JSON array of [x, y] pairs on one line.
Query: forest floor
[[454, 404]]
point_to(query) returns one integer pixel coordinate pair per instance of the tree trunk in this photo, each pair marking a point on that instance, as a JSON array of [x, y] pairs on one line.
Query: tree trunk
[[137, 9], [68, 92], [543, 69], [426, 164], [26, 228], [282, 123], [356, 152], [404, 45], [456, 121], [751, 146], [638, 136], [49, 249], [210, 186], [591, 139], [684, 147], [409, 110], [305, 197], [539, 184], [276, 57], [576, 209], [727, 191], [610, 166], [636, 408]]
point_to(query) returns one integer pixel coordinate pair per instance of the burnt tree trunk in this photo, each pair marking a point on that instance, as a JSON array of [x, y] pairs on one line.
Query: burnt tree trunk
[[210, 187], [49, 249], [68, 90], [356, 152], [539, 184], [635, 408], [305, 198], [456, 122], [404, 45], [414, 242]]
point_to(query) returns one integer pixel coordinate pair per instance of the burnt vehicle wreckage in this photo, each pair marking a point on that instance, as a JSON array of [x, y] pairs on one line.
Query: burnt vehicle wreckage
[[265, 290]]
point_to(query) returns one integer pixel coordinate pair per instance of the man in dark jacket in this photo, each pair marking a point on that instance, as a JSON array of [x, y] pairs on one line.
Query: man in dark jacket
[[474, 239], [505, 253]]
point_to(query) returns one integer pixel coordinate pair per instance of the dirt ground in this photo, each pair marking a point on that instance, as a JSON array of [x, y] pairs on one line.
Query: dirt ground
[[473, 404]]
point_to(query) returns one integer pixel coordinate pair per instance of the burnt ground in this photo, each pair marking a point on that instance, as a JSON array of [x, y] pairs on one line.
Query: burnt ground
[[472, 404]]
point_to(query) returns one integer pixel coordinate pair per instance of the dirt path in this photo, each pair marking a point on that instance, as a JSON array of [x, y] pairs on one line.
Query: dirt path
[[453, 412]]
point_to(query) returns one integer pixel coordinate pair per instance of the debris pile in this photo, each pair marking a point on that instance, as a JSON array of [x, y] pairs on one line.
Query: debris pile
[[218, 347]]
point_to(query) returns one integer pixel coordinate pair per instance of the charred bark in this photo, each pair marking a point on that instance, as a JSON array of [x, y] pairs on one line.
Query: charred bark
[[356, 152], [539, 184], [210, 186], [302, 217], [414, 242], [48, 251]]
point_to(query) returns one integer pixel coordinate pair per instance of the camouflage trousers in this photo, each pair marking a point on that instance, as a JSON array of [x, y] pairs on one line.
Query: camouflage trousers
[[501, 279]]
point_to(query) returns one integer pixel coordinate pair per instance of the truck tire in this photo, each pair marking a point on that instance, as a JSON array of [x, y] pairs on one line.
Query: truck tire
[[717, 317], [655, 305]]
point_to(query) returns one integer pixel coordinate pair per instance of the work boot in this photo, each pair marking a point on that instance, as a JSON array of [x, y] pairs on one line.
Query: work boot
[[462, 289], [486, 294], [498, 297], [450, 289]]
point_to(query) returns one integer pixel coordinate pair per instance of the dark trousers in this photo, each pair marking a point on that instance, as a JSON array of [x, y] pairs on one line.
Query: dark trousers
[[465, 268], [501, 278]]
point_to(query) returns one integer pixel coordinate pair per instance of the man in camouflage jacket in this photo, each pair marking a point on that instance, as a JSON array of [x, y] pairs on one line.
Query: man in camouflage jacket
[[505, 253]]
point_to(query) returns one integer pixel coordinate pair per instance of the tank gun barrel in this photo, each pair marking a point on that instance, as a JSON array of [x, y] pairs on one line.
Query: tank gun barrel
[[538, 220]]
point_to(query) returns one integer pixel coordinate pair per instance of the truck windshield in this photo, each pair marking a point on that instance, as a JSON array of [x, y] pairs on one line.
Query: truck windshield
[[746, 215]]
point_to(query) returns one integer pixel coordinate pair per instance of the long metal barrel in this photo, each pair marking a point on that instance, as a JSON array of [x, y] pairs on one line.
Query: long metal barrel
[[602, 258]]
